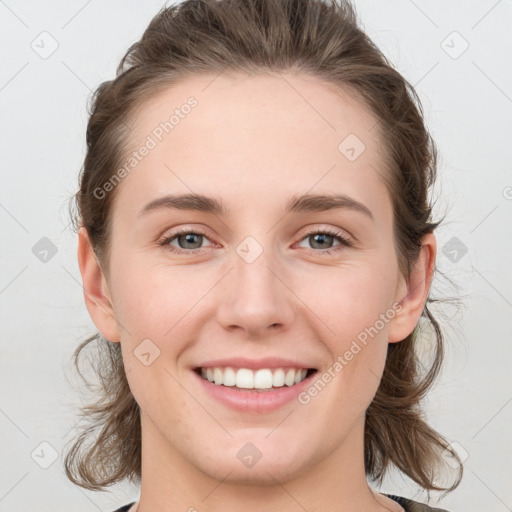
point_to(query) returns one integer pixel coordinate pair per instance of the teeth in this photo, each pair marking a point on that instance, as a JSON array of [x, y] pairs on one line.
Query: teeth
[[289, 379], [217, 375], [263, 379], [229, 377], [245, 378], [278, 378]]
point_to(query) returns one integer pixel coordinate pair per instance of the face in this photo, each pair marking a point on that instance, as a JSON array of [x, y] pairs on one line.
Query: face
[[272, 283]]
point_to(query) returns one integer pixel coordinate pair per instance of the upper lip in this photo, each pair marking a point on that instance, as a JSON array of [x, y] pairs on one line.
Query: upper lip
[[243, 362]]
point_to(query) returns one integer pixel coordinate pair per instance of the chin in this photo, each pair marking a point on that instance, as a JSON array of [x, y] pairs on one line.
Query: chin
[[262, 462], [263, 473]]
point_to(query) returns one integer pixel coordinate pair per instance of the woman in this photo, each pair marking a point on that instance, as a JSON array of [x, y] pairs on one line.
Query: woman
[[256, 248]]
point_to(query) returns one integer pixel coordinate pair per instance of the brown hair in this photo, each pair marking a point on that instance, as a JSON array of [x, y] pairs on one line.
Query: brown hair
[[314, 37]]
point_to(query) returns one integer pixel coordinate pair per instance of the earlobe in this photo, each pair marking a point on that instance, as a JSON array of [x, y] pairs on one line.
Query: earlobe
[[412, 295], [96, 293]]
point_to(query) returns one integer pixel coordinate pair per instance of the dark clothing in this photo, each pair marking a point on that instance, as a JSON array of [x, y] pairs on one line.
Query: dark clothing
[[413, 506], [125, 508], [408, 505]]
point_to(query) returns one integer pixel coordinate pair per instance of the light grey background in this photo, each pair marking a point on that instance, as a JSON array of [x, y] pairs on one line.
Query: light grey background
[[468, 103]]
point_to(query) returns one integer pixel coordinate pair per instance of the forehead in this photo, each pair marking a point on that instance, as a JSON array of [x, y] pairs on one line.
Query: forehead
[[254, 104], [269, 135]]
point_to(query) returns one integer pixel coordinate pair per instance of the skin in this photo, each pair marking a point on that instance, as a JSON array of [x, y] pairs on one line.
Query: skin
[[254, 141]]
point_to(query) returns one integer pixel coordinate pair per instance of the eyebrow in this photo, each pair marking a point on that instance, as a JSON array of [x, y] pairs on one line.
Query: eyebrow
[[304, 203]]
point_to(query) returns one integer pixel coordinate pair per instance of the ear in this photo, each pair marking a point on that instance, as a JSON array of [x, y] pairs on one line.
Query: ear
[[96, 292], [412, 294]]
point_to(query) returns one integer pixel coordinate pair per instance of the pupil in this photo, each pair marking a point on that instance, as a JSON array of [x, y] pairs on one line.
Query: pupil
[[322, 237], [189, 238]]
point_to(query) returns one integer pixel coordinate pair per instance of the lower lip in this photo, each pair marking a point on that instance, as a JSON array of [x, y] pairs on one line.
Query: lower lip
[[254, 401]]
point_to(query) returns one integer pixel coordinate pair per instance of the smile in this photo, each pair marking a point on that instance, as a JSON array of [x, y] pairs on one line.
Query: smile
[[254, 385], [263, 379]]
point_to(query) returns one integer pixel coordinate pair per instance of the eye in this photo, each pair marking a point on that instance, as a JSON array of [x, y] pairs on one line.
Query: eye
[[322, 238], [186, 239], [191, 241]]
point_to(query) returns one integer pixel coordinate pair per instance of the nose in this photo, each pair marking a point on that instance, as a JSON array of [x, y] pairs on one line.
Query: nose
[[255, 298]]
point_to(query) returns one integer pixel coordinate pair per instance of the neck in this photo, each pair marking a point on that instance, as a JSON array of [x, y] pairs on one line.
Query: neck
[[335, 482]]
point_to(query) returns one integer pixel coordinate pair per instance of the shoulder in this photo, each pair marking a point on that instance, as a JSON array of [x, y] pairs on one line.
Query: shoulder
[[407, 504], [414, 506], [125, 508]]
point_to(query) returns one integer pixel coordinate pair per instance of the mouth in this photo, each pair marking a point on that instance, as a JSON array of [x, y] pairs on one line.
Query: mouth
[[256, 380]]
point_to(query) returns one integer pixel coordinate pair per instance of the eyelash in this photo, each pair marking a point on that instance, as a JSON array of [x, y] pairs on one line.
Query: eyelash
[[344, 241]]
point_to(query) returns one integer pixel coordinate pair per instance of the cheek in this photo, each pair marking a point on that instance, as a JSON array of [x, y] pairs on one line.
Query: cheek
[[159, 307], [356, 306], [152, 302], [350, 300], [155, 306]]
